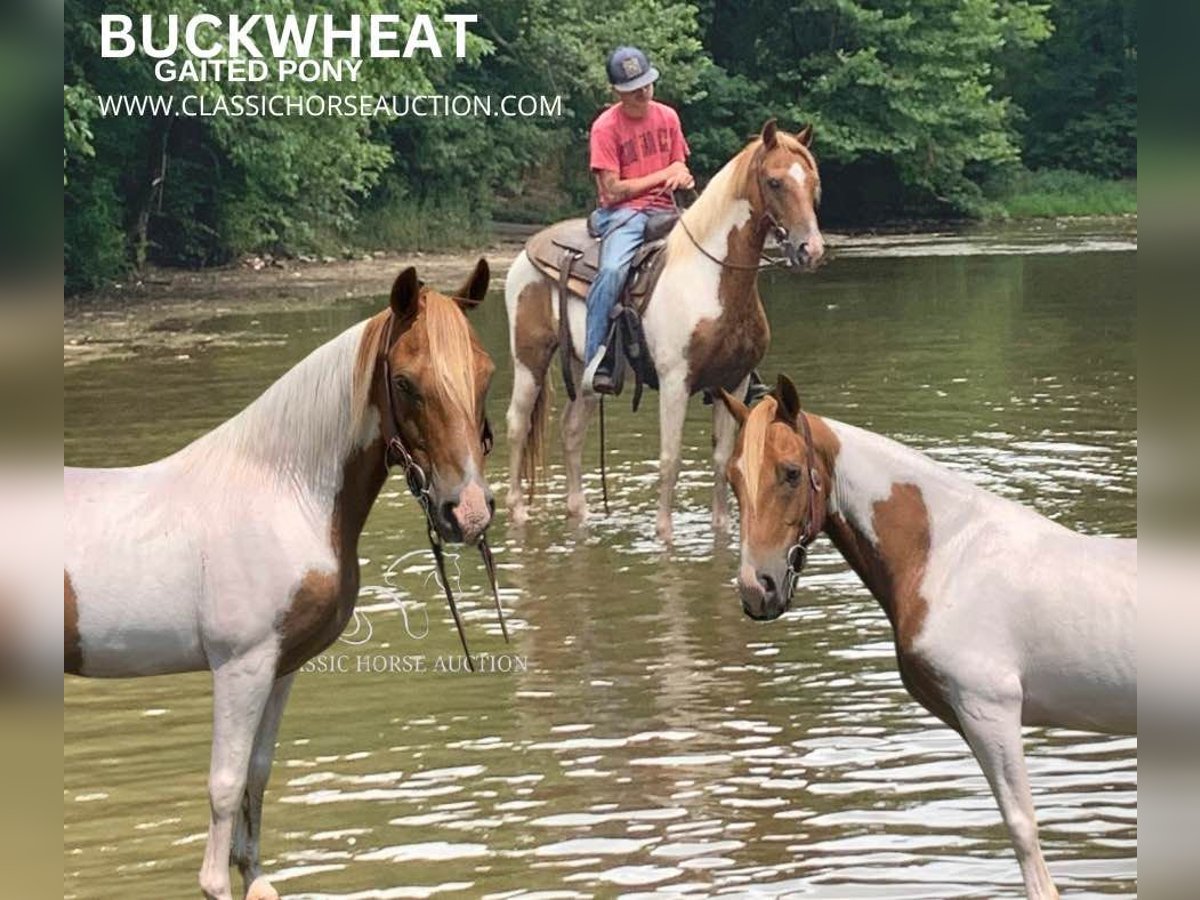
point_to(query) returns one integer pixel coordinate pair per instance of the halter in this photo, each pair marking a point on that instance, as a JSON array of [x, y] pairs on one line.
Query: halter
[[766, 220], [810, 527], [396, 453]]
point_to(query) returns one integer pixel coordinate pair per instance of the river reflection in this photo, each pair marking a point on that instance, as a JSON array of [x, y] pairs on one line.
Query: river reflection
[[639, 734]]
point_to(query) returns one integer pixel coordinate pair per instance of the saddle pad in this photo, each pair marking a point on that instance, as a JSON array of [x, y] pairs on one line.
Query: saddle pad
[[547, 249]]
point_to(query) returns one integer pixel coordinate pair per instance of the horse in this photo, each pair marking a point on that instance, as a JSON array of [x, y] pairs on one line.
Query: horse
[[704, 322], [238, 553], [1001, 617]]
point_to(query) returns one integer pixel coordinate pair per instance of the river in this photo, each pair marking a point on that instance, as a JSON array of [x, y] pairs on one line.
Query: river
[[640, 734]]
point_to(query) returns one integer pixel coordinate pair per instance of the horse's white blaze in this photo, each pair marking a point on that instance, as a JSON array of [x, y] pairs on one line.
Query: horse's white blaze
[[1013, 598], [147, 600], [796, 171]]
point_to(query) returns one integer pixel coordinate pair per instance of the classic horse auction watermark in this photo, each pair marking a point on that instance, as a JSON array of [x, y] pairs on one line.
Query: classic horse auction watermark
[[361, 630]]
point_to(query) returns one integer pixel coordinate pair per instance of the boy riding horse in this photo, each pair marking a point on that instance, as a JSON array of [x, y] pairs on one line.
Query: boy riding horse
[[638, 155]]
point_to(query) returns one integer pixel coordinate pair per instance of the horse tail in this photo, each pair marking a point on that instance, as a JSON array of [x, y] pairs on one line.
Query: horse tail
[[535, 446], [532, 338]]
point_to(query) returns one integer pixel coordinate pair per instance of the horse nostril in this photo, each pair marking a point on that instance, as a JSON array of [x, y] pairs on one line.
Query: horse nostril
[[491, 504], [768, 584], [450, 521]]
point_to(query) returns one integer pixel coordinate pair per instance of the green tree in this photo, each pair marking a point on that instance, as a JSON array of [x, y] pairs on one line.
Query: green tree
[[195, 191], [1079, 90], [900, 91]]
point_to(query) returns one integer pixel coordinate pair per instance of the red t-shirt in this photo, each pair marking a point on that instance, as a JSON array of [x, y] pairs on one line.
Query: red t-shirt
[[636, 147]]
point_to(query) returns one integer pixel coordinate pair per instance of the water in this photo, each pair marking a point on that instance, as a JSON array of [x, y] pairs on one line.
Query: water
[[640, 734]]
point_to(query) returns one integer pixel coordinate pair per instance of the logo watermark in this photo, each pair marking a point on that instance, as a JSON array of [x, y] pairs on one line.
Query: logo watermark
[[414, 616]]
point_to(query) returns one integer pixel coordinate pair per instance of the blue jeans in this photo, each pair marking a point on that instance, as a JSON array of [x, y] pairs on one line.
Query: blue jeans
[[624, 231]]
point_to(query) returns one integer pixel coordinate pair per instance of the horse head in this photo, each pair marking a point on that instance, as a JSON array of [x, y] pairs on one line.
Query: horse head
[[789, 189], [434, 380], [781, 484]]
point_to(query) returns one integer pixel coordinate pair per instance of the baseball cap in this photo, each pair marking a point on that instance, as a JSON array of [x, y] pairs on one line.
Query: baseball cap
[[629, 69]]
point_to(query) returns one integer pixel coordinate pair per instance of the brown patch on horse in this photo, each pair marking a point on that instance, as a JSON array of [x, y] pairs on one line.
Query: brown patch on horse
[[72, 648], [535, 337], [322, 604], [893, 568], [901, 524], [724, 350]]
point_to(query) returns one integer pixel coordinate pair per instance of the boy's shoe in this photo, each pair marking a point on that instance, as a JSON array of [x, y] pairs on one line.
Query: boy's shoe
[[597, 379]]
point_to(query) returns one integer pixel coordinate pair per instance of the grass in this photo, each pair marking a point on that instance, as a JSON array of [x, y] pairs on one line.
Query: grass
[[1059, 192], [426, 225]]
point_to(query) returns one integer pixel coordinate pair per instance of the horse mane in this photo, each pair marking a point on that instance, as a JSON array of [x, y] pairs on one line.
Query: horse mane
[[754, 443], [300, 428], [730, 183], [450, 348]]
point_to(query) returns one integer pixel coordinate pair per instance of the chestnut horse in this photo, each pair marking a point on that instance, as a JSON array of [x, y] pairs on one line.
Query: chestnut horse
[[704, 324], [1001, 617], [238, 553]]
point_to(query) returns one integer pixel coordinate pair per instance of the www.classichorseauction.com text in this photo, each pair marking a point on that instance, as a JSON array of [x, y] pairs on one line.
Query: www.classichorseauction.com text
[[264, 48]]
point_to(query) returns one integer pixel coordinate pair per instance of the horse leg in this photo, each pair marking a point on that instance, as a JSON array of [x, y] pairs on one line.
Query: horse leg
[[241, 686], [672, 409], [576, 416], [526, 389], [249, 824], [992, 728], [725, 430]]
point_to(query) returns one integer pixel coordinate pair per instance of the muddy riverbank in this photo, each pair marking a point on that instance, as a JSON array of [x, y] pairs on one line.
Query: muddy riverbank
[[161, 308]]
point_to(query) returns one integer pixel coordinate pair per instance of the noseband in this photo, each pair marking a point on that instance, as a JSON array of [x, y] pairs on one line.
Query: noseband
[[395, 453], [810, 527], [767, 220]]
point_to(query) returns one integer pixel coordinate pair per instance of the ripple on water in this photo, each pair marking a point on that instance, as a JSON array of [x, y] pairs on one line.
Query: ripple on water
[[659, 744]]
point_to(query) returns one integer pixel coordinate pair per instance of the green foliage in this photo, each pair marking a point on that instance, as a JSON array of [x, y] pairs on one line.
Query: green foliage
[[899, 91], [403, 222], [916, 104], [93, 240], [1079, 90], [1058, 192]]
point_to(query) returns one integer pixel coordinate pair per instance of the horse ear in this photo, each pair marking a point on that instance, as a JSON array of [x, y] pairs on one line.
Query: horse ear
[[805, 135], [785, 392], [475, 288], [405, 291], [769, 133], [736, 407]]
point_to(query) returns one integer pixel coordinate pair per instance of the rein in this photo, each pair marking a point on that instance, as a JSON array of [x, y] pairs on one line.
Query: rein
[[766, 219], [797, 554], [396, 453]]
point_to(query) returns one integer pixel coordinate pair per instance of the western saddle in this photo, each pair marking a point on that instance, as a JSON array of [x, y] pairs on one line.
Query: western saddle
[[569, 253]]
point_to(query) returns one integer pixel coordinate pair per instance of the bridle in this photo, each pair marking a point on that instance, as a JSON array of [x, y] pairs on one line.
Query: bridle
[[766, 220], [396, 453], [810, 527]]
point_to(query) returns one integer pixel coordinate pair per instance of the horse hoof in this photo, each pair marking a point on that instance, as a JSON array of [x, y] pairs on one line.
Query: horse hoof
[[518, 515], [577, 508], [261, 889], [664, 530]]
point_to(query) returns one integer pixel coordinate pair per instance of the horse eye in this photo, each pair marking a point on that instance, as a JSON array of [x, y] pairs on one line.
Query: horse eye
[[791, 474], [774, 183], [405, 386]]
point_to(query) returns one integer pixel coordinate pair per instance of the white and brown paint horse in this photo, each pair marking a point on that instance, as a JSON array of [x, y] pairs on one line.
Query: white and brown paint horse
[[238, 553], [704, 324], [1001, 617]]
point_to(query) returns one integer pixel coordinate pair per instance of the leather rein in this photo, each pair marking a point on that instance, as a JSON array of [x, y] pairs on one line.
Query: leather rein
[[766, 220], [397, 454]]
